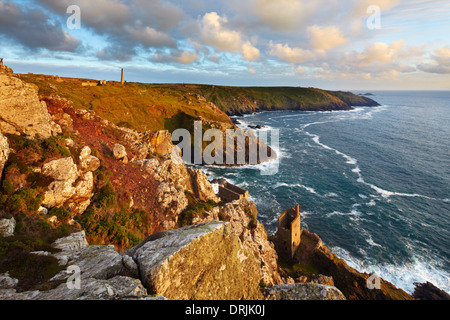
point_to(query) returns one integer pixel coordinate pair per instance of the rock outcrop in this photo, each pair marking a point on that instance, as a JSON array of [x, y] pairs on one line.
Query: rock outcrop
[[205, 261], [72, 186], [7, 227], [144, 144], [6, 282], [349, 281], [428, 291], [201, 186], [21, 111], [242, 215], [116, 288], [303, 291], [4, 152], [104, 274]]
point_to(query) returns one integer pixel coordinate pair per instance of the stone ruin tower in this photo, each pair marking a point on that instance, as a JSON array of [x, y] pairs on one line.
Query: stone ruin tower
[[288, 233]]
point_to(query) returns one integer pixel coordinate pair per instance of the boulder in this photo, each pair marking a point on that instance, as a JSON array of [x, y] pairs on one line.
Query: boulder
[[116, 288], [303, 291], [61, 169], [172, 201], [198, 262], [21, 111], [74, 242], [6, 282], [161, 142], [99, 262], [69, 245], [7, 227], [88, 162], [4, 152], [119, 151], [71, 187], [242, 215]]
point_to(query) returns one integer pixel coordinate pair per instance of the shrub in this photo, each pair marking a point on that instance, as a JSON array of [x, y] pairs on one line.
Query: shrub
[[60, 212], [8, 187], [52, 145], [106, 197]]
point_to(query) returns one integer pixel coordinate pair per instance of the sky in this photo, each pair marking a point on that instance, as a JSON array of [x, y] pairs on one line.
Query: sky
[[329, 44]]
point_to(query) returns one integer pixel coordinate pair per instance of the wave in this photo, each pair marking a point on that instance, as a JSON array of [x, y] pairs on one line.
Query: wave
[[402, 276], [282, 184], [352, 161], [331, 194], [354, 213]]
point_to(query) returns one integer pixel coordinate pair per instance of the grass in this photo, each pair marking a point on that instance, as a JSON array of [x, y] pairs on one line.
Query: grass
[[168, 106], [135, 105]]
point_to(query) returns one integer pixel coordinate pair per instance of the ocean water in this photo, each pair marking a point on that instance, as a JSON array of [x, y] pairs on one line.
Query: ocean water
[[373, 183]]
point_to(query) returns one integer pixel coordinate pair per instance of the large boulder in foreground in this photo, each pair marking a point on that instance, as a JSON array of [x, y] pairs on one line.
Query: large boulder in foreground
[[205, 261], [21, 111]]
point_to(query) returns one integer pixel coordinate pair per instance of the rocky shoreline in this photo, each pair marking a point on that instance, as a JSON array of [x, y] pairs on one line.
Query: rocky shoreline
[[115, 214]]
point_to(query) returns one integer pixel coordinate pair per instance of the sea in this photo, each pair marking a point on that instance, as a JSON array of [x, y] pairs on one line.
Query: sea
[[373, 182]]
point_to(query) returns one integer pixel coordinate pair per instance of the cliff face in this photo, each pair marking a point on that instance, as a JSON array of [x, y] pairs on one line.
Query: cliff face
[[352, 283]]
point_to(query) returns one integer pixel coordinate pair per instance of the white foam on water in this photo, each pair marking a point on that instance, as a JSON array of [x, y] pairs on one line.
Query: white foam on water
[[352, 213], [402, 276], [293, 185], [331, 194], [215, 187]]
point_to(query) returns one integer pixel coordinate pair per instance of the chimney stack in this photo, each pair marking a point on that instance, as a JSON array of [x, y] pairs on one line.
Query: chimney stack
[[121, 79], [297, 210]]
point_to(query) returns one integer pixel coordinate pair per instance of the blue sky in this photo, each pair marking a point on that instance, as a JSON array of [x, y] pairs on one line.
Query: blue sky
[[327, 44]]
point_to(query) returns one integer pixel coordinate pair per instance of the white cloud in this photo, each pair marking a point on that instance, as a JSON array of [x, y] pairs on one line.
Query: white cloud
[[382, 53], [288, 54], [214, 34], [326, 38], [249, 52]]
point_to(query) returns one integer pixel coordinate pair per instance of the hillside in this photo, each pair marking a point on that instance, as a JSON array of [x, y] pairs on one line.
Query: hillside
[[169, 106]]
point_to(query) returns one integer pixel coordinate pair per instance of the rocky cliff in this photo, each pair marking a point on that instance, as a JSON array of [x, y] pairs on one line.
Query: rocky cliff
[[353, 284], [200, 262], [116, 207]]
